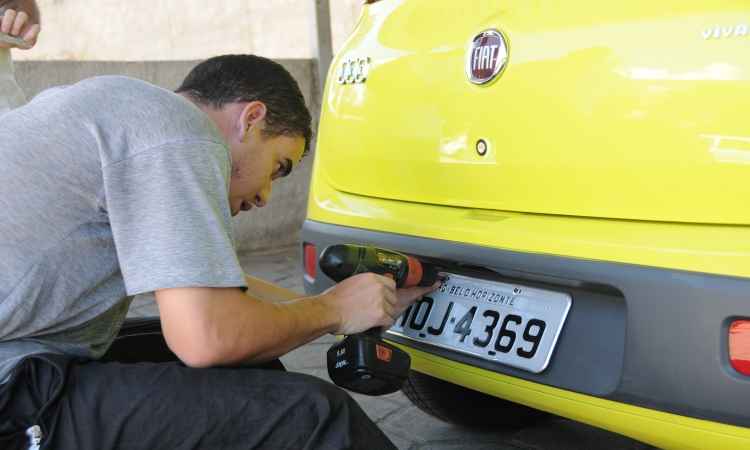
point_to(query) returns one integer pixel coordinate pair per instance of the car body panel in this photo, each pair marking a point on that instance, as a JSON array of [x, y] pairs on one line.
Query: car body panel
[[639, 336], [719, 249], [593, 114]]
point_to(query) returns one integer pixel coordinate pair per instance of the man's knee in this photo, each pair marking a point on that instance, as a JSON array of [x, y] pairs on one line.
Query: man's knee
[[339, 421], [327, 399]]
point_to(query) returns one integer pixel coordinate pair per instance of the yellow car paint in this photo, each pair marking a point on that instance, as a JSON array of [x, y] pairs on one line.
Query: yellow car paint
[[589, 118], [664, 430]]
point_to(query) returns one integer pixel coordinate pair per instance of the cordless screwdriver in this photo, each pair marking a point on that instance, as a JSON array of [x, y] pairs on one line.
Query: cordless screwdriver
[[363, 362]]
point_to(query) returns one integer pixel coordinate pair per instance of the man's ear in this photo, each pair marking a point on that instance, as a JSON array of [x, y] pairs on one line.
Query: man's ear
[[251, 115]]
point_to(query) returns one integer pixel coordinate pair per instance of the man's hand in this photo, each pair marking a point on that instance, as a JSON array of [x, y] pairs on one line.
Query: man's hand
[[19, 24], [368, 300]]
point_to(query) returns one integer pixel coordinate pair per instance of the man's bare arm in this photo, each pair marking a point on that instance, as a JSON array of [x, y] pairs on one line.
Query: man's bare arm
[[265, 290], [224, 326]]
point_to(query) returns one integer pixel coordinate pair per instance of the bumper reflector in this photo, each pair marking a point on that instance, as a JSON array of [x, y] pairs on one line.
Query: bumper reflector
[[311, 262], [739, 346]]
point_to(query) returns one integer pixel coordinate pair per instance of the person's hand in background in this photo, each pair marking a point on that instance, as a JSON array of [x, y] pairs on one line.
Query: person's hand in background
[[20, 20]]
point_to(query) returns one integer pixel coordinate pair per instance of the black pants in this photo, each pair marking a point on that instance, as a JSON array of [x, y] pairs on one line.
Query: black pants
[[110, 404]]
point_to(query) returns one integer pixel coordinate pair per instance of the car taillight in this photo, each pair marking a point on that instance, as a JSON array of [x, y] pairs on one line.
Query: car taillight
[[739, 346], [311, 262]]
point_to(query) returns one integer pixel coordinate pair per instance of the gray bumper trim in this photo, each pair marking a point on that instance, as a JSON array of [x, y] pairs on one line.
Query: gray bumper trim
[[641, 335]]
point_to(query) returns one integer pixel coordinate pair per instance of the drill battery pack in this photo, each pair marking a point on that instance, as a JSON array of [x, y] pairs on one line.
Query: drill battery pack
[[366, 364]]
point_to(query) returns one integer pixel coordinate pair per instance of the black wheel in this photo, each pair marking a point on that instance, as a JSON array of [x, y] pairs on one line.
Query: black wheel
[[457, 404]]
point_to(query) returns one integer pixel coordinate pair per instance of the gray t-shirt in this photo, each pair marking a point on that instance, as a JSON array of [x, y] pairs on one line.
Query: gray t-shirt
[[109, 188]]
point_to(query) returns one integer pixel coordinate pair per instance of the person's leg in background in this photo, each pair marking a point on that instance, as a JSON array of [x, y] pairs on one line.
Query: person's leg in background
[[20, 21], [11, 95]]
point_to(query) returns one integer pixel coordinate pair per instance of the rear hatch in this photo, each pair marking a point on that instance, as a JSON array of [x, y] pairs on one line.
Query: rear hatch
[[631, 110]]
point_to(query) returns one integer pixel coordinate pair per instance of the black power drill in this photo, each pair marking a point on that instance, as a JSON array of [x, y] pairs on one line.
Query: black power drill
[[363, 362]]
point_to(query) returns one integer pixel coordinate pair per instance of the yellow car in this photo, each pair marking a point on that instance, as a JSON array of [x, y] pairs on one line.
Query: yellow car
[[581, 172]]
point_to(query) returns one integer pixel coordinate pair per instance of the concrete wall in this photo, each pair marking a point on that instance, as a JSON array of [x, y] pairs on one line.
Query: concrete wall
[[275, 225], [80, 38], [141, 30]]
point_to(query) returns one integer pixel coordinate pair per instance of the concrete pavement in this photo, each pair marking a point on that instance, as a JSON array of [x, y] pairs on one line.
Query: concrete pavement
[[406, 425]]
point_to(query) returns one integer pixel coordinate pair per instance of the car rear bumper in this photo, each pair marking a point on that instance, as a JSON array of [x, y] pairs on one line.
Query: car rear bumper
[[658, 428], [643, 343]]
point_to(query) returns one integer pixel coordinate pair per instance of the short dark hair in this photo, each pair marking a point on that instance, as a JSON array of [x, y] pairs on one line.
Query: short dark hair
[[246, 78]]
